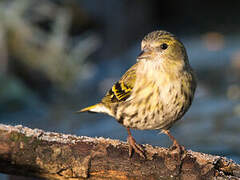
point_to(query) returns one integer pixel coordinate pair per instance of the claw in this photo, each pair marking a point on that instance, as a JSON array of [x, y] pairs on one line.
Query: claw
[[134, 146], [180, 149]]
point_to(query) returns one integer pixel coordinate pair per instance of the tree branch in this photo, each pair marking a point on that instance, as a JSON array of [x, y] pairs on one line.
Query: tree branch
[[33, 152]]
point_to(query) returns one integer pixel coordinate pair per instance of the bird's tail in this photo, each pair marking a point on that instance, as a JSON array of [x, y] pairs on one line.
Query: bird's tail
[[98, 108]]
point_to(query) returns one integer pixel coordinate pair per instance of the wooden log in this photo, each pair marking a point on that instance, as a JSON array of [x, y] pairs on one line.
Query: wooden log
[[35, 153]]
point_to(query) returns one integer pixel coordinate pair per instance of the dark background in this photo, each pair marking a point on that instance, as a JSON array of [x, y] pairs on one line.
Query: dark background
[[59, 56]]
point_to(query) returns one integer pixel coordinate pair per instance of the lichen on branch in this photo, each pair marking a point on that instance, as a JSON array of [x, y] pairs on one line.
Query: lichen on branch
[[35, 153]]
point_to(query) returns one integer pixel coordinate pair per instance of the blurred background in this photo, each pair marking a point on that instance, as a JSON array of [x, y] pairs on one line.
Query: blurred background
[[58, 56]]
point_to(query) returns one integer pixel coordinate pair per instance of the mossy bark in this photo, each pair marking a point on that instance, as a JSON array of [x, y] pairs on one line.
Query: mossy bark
[[33, 152]]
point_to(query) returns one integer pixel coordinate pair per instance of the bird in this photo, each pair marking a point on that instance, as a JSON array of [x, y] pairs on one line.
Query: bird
[[155, 92]]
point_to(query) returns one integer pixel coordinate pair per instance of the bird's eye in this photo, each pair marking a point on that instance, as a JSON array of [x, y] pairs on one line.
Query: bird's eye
[[164, 46]]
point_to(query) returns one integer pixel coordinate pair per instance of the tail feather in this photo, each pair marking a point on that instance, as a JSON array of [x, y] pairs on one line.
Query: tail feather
[[90, 108], [98, 108]]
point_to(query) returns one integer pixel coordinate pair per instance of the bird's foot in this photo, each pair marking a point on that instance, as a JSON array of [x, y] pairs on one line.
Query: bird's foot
[[176, 146], [134, 146]]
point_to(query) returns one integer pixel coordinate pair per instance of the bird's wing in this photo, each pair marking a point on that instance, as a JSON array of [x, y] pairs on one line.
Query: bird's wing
[[122, 89]]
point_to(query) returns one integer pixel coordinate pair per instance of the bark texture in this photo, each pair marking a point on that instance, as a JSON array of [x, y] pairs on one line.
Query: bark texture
[[33, 152]]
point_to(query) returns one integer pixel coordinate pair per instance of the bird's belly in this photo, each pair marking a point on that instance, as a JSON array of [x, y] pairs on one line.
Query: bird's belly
[[155, 111], [153, 120]]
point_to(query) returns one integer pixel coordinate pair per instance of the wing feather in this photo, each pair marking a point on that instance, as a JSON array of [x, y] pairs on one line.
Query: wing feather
[[122, 89]]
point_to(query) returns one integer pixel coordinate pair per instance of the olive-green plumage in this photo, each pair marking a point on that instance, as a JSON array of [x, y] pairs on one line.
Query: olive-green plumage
[[156, 91]]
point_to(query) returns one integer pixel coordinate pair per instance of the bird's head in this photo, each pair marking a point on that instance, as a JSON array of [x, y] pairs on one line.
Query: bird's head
[[162, 47]]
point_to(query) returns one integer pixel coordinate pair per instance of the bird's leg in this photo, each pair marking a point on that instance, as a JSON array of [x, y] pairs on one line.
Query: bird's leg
[[133, 145], [180, 148]]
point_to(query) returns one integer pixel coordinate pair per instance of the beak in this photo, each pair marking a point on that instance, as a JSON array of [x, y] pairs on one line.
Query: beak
[[145, 54]]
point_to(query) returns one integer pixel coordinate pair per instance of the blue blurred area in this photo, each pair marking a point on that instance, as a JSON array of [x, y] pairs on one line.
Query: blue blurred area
[[57, 57]]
